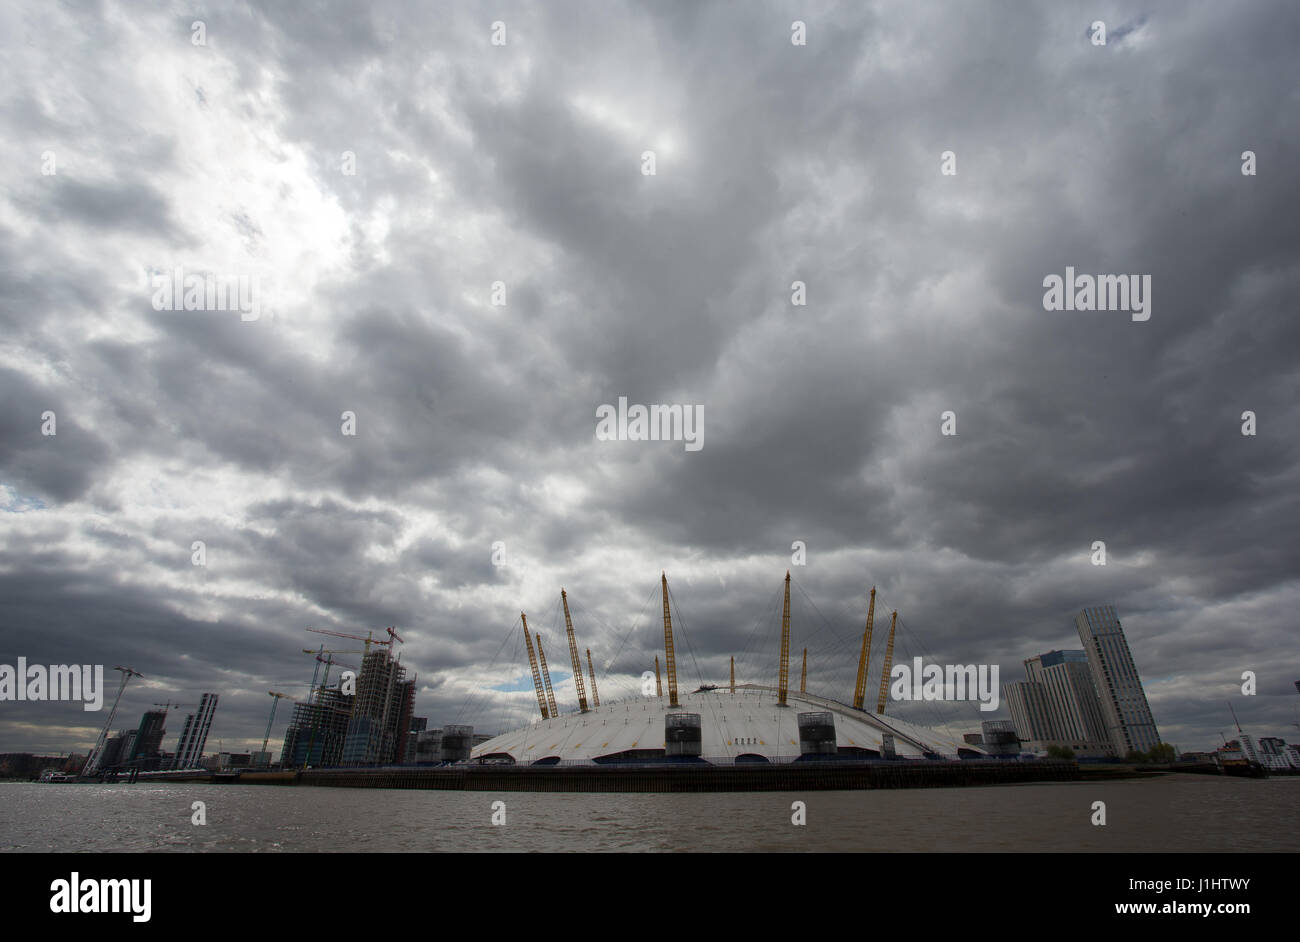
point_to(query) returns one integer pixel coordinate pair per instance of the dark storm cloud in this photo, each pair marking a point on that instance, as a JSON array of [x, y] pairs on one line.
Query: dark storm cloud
[[821, 423], [60, 465]]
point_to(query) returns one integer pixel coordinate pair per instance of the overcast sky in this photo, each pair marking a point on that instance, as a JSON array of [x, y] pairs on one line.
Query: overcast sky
[[130, 149]]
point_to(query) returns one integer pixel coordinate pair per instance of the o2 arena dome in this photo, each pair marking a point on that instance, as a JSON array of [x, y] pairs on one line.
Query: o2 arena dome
[[715, 724]]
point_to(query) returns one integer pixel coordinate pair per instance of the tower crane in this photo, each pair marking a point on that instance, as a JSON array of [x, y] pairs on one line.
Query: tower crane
[[328, 662], [315, 672], [169, 705], [369, 638], [96, 754], [275, 702]]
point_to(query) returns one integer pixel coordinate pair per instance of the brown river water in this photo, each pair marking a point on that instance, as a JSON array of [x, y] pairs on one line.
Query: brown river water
[[1177, 813]]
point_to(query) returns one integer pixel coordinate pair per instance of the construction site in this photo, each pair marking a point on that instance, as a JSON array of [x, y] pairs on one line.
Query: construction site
[[351, 730], [360, 719]]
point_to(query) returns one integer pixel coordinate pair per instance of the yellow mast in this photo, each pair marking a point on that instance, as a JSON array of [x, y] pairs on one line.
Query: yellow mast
[[573, 655], [889, 660], [668, 645], [532, 662], [659, 685], [733, 673], [546, 678], [595, 694], [785, 644], [803, 677], [864, 659]]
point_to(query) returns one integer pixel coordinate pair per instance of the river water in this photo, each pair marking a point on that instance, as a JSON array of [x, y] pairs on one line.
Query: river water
[[1176, 813]]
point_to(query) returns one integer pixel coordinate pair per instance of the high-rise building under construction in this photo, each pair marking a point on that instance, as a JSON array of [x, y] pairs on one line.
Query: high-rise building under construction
[[381, 713], [194, 735], [149, 737], [317, 730]]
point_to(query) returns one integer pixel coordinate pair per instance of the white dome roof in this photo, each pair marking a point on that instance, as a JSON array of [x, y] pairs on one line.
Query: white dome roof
[[748, 722]]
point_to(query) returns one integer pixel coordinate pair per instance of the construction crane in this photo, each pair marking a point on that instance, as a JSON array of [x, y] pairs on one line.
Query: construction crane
[[864, 659], [96, 754], [785, 645], [309, 702], [315, 711], [393, 635], [573, 655], [889, 660], [311, 693], [328, 662], [671, 659], [532, 662], [275, 702], [315, 671], [546, 678], [369, 639], [388, 692], [169, 705], [595, 696]]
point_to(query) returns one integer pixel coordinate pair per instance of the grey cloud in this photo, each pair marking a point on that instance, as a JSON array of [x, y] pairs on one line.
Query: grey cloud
[[475, 424]]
